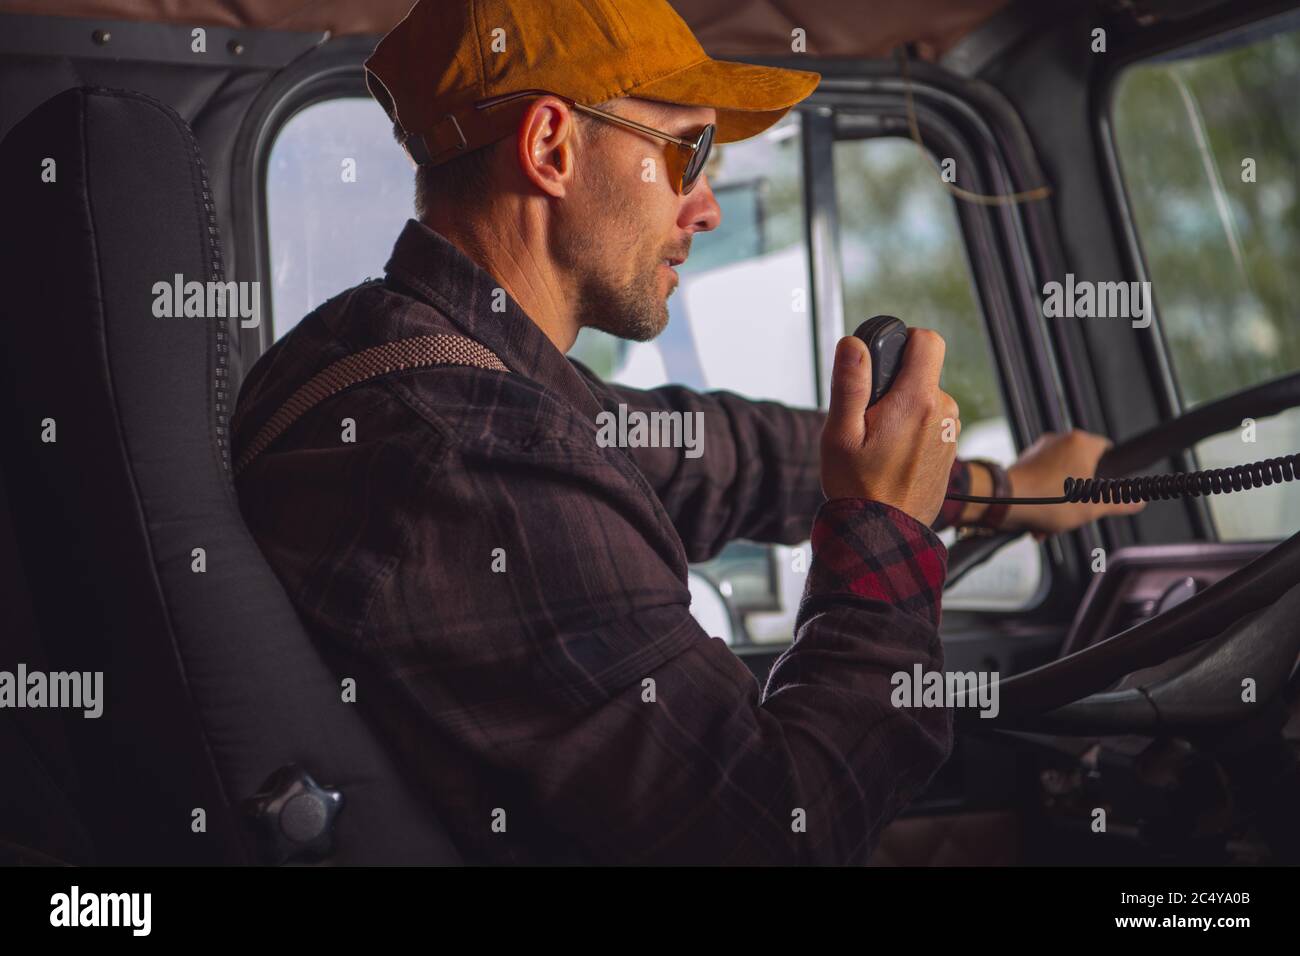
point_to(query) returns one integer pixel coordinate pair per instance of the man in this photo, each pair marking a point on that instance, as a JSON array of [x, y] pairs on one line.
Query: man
[[509, 593]]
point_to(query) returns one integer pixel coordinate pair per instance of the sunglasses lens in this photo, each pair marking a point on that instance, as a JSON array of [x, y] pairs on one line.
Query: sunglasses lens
[[699, 157]]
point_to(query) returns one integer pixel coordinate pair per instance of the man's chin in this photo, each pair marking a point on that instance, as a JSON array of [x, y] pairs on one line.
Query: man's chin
[[635, 314], [645, 329], [646, 333]]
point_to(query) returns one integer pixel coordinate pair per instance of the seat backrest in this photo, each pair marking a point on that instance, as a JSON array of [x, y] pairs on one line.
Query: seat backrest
[[141, 568]]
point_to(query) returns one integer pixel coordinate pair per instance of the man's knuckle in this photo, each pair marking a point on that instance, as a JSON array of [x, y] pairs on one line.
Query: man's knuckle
[[933, 339]]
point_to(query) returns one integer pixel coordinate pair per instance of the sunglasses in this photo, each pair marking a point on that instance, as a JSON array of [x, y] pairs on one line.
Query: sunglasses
[[691, 156]]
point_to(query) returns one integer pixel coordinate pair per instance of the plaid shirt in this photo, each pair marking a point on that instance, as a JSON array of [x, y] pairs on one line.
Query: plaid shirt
[[511, 596]]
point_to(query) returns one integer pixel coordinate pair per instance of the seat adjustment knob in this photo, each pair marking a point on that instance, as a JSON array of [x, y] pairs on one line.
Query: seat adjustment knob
[[294, 815]]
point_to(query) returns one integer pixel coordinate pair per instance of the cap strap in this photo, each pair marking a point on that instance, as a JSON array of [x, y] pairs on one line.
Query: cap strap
[[413, 143], [444, 141]]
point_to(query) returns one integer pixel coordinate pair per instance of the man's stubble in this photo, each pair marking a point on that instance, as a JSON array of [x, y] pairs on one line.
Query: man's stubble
[[630, 308]]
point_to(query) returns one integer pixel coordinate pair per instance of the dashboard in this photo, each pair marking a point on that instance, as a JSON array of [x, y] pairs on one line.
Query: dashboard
[[1145, 580]]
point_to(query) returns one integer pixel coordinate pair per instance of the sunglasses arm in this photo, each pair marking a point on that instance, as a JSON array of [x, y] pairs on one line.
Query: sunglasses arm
[[610, 117]]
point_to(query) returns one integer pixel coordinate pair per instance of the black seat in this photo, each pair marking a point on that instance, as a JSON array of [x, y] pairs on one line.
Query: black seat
[[211, 685]]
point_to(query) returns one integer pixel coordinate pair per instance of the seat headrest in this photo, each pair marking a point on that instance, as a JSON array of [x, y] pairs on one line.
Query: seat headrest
[[122, 173]]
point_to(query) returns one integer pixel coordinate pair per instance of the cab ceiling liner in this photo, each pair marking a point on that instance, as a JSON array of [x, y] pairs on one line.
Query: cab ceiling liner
[[735, 28]]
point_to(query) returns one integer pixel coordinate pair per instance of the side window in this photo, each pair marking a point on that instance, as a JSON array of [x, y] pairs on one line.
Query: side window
[[1209, 146], [901, 253], [740, 320], [338, 189]]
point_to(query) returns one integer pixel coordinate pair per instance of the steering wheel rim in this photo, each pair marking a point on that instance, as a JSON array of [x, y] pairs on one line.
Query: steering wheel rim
[[1248, 589], [1145, 449], [1093, 669]]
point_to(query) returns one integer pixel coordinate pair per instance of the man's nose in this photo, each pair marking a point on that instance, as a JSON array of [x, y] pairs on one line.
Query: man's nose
[[700, 211]]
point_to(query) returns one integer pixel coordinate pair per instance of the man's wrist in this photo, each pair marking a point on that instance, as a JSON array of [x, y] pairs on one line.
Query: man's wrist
[[988, 480], [981, 483]]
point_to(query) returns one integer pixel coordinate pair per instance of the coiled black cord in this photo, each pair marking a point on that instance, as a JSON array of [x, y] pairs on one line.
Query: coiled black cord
[[1213, 481]]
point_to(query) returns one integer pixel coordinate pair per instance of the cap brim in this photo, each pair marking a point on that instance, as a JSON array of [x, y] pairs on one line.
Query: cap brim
[[749, 98]]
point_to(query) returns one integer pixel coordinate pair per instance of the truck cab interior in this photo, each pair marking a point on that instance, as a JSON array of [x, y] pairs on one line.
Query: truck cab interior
[[958, 159]]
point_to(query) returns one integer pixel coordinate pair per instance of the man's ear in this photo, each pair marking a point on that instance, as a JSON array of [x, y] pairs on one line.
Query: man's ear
[[545, 145]]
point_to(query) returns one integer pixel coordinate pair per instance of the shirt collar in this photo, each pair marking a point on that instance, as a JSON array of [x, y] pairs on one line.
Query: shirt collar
[[431, 266]]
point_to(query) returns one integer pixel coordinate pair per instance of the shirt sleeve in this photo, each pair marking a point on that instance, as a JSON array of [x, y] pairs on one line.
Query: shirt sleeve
[[561, 653], [759, 476]]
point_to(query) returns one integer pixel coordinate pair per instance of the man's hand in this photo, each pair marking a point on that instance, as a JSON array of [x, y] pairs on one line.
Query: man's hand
[[893, 453], [1040, 472]]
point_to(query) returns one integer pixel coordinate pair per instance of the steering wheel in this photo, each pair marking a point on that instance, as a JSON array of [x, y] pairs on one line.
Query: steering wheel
[[1251, 615]]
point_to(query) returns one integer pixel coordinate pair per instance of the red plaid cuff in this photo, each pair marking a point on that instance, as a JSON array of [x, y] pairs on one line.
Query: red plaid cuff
[[875, 551]]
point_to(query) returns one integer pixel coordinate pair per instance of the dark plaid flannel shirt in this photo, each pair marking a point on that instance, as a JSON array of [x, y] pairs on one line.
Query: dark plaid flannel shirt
[[573, 690]]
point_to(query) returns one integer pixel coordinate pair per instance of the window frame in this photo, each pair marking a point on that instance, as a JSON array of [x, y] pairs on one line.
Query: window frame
[[1158, 358], [1008, 298], [329, 72], [1018, 417]]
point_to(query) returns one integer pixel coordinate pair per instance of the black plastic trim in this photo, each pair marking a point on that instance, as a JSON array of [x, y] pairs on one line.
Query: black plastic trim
[[330, 71], [138, 40]]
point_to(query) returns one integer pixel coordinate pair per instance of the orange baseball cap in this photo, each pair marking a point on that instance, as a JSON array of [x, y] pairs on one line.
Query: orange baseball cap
[[431, 69]]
